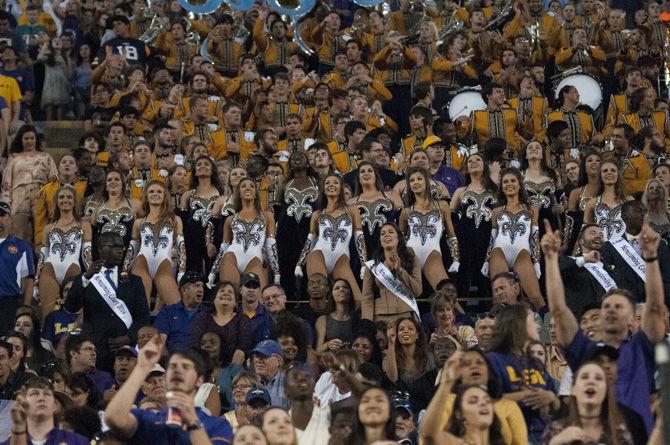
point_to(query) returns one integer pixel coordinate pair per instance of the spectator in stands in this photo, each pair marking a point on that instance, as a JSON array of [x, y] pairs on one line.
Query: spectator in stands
[[83, 391], [375, 419], [174, 322], [241, 385], [10, 381], [232, 326], [33, 417], [309, 419], [278, 428], [622, 266], [484, 329], [185, 375], [102, 319], [28, 169], [125, 359], [335, 329], [635, 361], [505, 288], [81, 357], [267, 362]]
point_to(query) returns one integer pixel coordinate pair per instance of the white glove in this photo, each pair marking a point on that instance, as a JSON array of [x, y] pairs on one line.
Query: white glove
[[179, 275], [538, 270], [485, 269], [298, 272], [362, 272], [211, 279], [277, 279], [454, 267]]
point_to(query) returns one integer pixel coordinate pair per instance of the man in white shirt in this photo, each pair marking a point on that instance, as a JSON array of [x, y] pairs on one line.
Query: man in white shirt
[[310, 420]]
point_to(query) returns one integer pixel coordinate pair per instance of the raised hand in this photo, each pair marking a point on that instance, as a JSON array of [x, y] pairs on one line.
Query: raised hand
[[648, 239], [150, 354], [551, 242]]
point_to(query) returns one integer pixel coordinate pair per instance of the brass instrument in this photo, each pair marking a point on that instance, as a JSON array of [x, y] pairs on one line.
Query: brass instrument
[[152, 32], [534, 32], [500, 17]]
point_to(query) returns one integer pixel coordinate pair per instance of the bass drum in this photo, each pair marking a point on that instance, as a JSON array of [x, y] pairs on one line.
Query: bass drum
[[464, 103], [590, 91]]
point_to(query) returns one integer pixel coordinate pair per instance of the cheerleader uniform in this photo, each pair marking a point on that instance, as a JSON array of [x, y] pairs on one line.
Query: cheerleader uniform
[[113, 220], [609, 219], [334, 237], [198, 231], [425, 232], [514, 232], [293, 228], [373, 216], [156, 244], [472, 229], [64, 249], [248, 241]]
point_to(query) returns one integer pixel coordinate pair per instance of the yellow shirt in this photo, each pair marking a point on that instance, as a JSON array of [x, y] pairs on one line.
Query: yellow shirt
[[9, 90], [512, 425]]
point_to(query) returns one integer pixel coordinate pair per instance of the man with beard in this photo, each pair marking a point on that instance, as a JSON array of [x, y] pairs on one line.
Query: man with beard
[[185, 374], [636, 360], [175, 320], [623, 262], [310, 421], [164, 146], [124, 363], [638, 166], [585, 277]]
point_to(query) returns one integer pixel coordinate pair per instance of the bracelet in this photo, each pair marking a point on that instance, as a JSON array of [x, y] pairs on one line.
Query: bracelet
[[651, 259]]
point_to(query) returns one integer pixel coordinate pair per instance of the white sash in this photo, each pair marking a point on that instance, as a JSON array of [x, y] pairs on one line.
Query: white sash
[[596, 269], [108, 294], [381, 272], [630, 256]]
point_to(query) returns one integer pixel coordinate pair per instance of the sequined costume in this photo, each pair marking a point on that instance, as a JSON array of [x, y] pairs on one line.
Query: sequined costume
[[118, 220], [374, 215], [293, 228], [334, 237], [248, 241], [425, 231], [473, 227], [198, 231], [609, 219], [156, 244], [514, 234], [64, 249]]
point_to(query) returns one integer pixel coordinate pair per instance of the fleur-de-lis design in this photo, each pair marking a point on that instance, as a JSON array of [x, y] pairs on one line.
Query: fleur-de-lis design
[[539, 193], [423, 225], [334, 229], [202, 208], [64, 242], [513, 224], [372, 213], [478, 206], [300, 201], [248, 233], [156, 237], [610, 221], [112, 220]]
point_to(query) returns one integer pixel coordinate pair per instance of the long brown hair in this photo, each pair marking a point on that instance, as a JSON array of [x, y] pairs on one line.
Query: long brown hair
[[610, 417], [619, 191], [411, 199], [237, 200], [75, 212], [509, 332], [323, 199], [166, 207], [421, 359]]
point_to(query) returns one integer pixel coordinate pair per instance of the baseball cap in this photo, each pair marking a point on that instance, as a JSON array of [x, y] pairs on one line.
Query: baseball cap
[[403, 404], [191, 277], [261, 394], [126, 350], [249, 278], [5, 208], [157, 369], [267, 348], [430, 140]]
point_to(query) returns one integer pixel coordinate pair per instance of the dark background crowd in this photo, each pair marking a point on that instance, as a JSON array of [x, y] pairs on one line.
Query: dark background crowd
[[305, 223]]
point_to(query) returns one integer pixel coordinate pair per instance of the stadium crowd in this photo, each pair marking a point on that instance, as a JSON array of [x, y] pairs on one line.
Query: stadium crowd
[[408, 222]]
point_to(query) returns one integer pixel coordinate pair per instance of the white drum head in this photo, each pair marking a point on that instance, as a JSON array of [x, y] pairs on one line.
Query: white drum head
[[465, 103], [589, 89]]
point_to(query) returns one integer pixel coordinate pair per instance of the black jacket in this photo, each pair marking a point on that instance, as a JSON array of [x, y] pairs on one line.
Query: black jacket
[[100, 322], [581, 288], [626, 277]]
